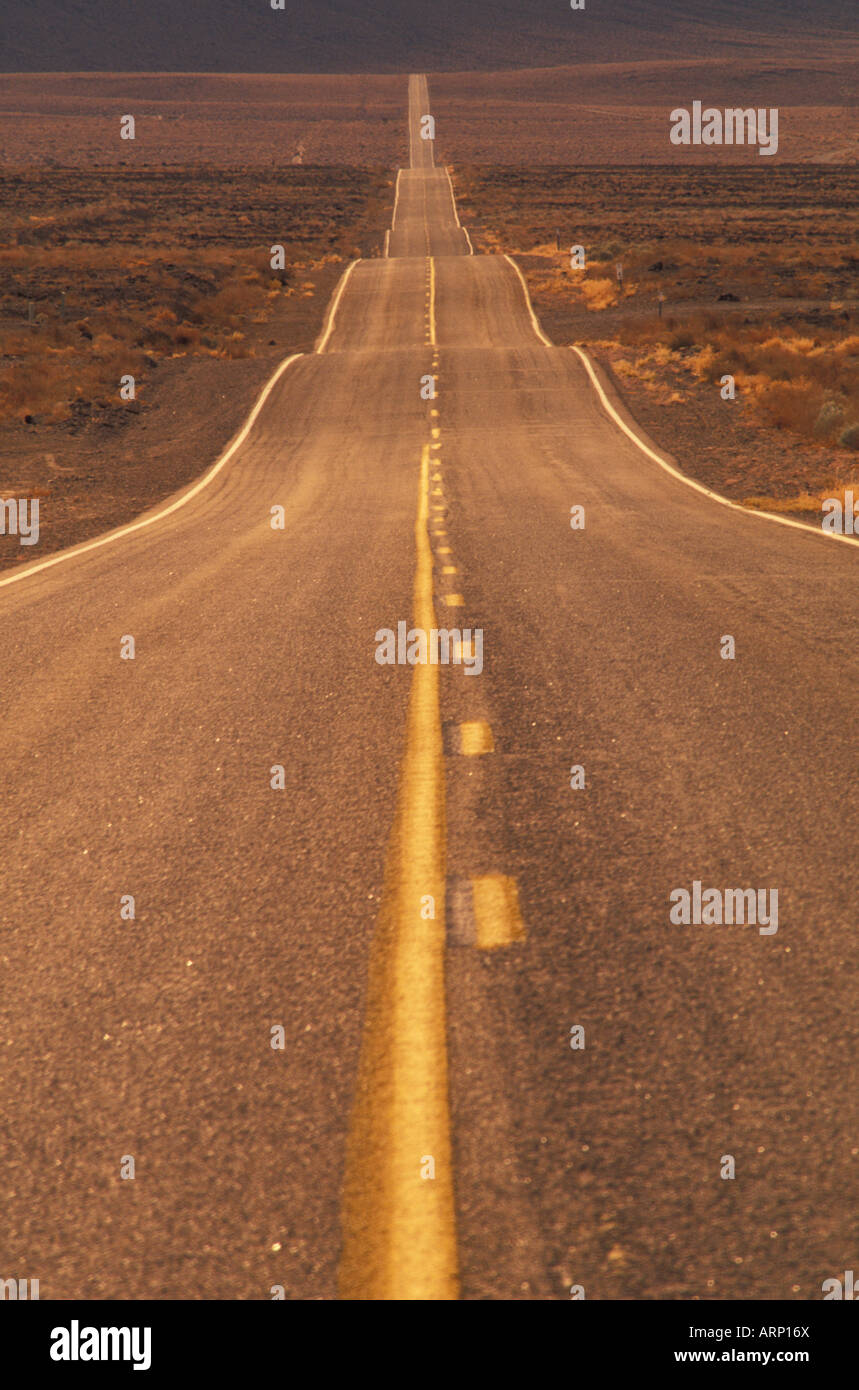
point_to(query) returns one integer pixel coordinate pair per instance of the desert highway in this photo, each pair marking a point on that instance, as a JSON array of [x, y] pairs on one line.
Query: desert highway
[[427, 1130]]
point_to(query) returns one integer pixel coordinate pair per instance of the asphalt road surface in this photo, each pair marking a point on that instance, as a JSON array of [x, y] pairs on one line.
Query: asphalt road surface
[[431, 1133]]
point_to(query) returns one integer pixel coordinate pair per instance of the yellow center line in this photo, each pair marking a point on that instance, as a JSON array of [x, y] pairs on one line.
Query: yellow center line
[[399, 1224], [476, 738], [497, 915]]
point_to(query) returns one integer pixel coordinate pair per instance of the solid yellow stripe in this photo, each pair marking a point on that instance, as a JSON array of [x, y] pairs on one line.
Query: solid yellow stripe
[[399, 1229], [475, 738], [495, 900]]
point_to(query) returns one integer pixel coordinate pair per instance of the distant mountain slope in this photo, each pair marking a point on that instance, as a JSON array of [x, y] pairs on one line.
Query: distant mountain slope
[[402, 35]]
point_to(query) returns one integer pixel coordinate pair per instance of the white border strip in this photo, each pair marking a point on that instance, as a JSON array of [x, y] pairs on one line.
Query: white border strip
[[26, 571], [534, 320], [464, 230], [413, 80], [691, 482], [396, 201], [425, 104], [344, 280], [657, 458], [452, 198]]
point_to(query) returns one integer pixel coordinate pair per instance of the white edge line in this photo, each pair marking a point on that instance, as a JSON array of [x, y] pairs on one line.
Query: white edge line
[[26, 571], [344, 280], [690, 482], [534, 320], [396, 201], [426, 111], [657, 458], [452, 197], [411, 123], [59, 559], [464, 230], [387, 241]]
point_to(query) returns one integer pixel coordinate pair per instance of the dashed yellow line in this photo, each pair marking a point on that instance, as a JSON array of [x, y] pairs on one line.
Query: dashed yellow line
[[498, 920], [454, 600], [399, 1227], [475, 738], [432, 300]]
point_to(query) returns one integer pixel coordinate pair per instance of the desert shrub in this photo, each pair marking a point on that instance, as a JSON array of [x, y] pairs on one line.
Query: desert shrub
[[791, 405], [682, 338], [599, 293], [43, 388], [849, 438], [829, 418], [633, 332], [848, 347], [226, 306]]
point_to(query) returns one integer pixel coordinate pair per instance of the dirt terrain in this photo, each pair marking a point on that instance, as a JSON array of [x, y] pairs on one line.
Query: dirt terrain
[[166, 275], [151, 257], [618, 113], [73, 119], [758, 279], [585, 113]]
